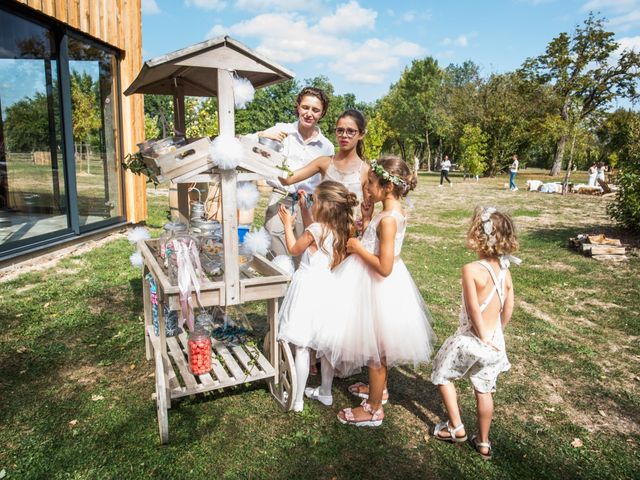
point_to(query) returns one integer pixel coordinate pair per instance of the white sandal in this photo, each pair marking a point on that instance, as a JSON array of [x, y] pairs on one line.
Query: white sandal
[[349, 418], [478, 445], [452, 438], [314, 394], [355, 390]]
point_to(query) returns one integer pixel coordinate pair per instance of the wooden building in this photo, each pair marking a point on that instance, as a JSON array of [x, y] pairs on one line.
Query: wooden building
[[65, 126]]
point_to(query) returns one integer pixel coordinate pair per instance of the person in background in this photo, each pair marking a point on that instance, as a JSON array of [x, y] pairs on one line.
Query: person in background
[[593, 173], [303, 142], [444, 171], [512, 176]]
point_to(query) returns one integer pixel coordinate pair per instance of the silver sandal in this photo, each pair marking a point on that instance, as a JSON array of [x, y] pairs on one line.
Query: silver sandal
[[452, 438], [478, 445]]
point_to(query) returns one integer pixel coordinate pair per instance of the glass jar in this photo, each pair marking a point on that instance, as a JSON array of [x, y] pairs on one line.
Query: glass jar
[[205, 321], [169, 231], [199, 349], [182, 240], [210, 238]]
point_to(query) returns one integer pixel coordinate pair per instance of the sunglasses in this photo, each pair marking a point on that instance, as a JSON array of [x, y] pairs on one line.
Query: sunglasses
[[349, 132]]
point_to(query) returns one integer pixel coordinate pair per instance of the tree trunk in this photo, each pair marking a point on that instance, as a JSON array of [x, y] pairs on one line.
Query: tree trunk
[[557, 161], [402, 150], [428, 151], [565, 184]]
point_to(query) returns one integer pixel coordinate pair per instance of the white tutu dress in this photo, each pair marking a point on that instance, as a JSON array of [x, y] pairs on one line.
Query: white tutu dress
[[375, 319], [464, 355], [304, 305]]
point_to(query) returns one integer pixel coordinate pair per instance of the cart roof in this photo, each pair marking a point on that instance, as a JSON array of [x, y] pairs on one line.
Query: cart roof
[[194, 69]]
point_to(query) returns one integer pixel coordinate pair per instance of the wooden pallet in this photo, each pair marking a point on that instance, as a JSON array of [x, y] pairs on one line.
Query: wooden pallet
[[599, 247]]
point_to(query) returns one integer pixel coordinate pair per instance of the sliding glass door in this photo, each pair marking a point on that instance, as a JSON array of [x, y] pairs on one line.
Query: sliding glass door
[[59, 124]]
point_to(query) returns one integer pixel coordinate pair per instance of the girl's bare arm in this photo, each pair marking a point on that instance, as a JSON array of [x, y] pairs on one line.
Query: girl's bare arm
[[507, 310], [315, 166]]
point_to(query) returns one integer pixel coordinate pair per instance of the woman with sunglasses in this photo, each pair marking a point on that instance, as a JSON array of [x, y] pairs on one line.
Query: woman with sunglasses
[[347, 166], [303, 141]]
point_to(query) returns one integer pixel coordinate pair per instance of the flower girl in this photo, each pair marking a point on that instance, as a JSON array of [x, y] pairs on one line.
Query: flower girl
[[323, 245], [477, 350], [379, 318]]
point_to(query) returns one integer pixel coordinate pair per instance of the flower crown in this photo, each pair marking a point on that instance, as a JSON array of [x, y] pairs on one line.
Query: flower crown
[[383, 174]]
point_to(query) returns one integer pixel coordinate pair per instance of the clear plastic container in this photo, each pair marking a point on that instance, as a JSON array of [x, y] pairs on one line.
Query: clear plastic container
[[169, 231], [180, 240], [199, 349]]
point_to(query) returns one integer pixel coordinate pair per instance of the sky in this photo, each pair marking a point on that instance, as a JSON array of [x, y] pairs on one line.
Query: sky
[[363, 46]]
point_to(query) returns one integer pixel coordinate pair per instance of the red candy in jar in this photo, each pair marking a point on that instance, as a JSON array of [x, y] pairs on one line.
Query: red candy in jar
[[199, 351]]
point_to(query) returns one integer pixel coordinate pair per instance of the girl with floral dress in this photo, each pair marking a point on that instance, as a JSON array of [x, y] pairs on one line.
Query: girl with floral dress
[[477, 349]]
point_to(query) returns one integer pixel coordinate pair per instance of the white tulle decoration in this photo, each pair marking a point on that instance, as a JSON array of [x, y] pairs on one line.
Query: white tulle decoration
[[136, 259], [257, 242], [247, 195], [138, 233], [243, 91], [226, 152], [285, 263]]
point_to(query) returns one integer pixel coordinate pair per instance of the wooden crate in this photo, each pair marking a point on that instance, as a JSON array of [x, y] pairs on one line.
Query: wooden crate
[[190, 159]]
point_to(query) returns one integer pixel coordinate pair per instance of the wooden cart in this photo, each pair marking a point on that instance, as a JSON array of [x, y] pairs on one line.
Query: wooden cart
[[207, 69]]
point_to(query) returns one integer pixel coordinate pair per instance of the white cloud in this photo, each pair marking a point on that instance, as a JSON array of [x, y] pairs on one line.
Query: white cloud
[[613, 5], [409, 16], [348, 17], [371, 61], [206, 4], [278, 5], [622, 15], [459, 41], [335, 38], [150, 7], [629, 43]]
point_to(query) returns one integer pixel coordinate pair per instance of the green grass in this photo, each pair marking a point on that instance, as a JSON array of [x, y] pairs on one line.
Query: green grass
[[75, 388]]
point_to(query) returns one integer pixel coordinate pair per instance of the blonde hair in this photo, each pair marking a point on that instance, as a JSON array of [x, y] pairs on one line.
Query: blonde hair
[[502, 239], [335, 211]]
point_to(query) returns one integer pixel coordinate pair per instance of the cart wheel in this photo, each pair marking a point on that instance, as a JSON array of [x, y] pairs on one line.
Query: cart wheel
[[161, 399], [284, 390]]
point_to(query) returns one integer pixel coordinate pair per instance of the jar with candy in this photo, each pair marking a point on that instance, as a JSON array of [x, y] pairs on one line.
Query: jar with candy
[[169, 231], [185, 243], [199, 344], [210, 238]]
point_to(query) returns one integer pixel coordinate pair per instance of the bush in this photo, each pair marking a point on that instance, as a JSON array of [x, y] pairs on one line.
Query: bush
[[626, 207]]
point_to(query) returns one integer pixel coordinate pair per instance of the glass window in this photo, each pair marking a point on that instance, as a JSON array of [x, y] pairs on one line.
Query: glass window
[[32, 187], [94, 117]]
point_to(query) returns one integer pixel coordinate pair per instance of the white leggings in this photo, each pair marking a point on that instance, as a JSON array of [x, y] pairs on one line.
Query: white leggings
[[302, 373]]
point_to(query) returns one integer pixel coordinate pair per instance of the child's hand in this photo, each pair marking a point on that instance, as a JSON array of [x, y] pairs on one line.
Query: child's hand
[[366, 208], [353, 245], [285, 216], [490, 344]]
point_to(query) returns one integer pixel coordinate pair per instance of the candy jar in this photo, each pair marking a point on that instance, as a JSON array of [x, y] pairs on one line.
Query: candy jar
[[210, 238], [199, 344], [169, 231], [185, 242]]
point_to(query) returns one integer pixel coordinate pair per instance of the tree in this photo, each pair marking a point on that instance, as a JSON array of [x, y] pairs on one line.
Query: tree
[[626, 207], [26, 126], [473, 144], [584, 74], [377, 135]]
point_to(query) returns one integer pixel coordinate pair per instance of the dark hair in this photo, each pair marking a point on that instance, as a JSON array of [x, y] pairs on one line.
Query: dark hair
[[397, 167], [314, 92], [335, 211], [358, 117]]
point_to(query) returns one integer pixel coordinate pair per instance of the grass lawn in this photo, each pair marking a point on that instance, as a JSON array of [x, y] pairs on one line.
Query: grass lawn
[[75, 388]]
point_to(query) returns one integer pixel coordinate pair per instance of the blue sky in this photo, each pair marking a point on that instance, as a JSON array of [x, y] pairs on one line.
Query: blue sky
[[363, 46]]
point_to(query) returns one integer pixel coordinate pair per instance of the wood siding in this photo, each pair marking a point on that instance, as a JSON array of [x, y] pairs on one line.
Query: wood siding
[[119, 24]]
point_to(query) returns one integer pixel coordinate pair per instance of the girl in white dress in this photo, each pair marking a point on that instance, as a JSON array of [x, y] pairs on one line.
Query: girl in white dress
[[347, 166], [323, 246], [593, 173], [379, 317], [477, 349]]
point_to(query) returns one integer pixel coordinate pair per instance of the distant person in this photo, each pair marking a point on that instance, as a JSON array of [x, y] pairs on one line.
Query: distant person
[[514, 170], [593, 173], [444, 171], [602, 168]]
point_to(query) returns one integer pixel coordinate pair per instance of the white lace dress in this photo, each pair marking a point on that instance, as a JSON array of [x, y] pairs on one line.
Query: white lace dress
[[464, 355], [375, 319], [304, 305], [352, 180]]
